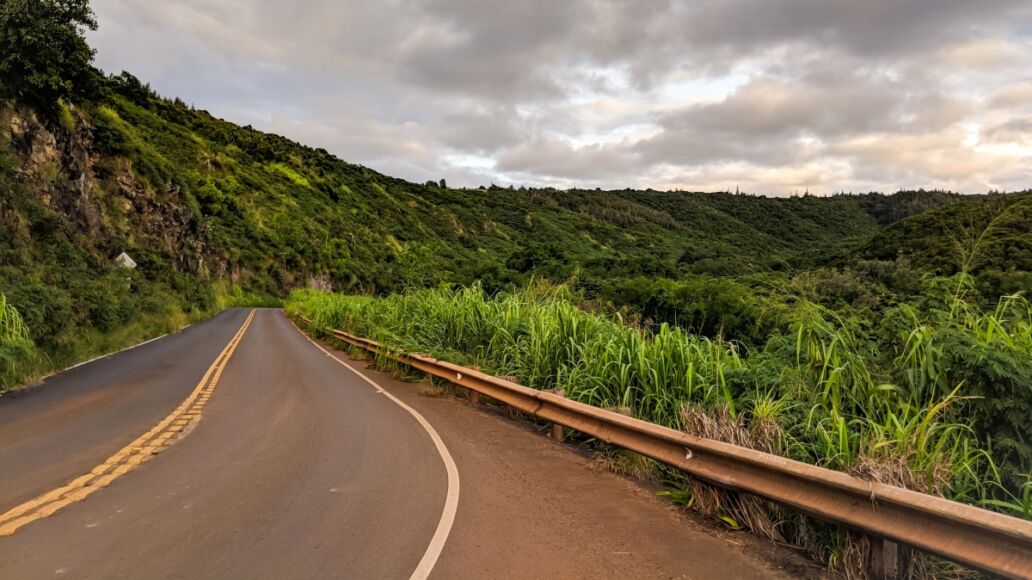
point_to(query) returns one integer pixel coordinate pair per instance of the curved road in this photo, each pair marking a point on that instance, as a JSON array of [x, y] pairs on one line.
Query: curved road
[[301, 468]]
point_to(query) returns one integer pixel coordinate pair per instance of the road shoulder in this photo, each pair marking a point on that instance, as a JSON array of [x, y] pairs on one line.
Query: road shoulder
[[533, 508]]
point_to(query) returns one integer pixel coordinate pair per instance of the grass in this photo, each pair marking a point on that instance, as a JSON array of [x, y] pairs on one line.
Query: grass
[[823, 405], [902, 402], [1019, 503], [288, 172], [65, 117], [15, 343]]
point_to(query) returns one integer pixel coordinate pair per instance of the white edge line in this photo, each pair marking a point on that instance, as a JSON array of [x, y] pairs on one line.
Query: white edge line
[[451, 501], [113, 353]]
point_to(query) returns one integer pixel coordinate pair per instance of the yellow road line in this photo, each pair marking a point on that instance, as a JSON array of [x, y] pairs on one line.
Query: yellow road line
[[165, 433]]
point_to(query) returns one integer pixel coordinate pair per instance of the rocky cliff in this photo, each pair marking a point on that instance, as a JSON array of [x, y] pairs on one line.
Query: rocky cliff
[[97, 199]]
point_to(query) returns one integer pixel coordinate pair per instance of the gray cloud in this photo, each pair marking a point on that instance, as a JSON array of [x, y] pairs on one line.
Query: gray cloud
[[1016, 131], [776, 95], [556, 158], [482, 130], [781, 121], [1015, 96]]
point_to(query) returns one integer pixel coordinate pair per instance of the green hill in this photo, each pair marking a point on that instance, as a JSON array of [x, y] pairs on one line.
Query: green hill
[[990, 237], [234, 202]]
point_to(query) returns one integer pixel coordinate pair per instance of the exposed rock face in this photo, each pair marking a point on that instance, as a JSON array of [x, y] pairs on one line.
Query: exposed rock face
[[321, 282], [99, 199], [55, 167]]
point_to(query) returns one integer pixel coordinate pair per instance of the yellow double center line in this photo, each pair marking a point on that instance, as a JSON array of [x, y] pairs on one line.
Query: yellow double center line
[[126, 459]]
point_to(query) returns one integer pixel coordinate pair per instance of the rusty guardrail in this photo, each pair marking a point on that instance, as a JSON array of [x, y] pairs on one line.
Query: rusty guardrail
[[978, 538]]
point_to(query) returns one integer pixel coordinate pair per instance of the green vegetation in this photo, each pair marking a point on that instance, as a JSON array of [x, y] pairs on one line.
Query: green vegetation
[[912, 396], [43, 55], [74, 301], [987, 237], [14, 335], [24, 360], [280, 213]]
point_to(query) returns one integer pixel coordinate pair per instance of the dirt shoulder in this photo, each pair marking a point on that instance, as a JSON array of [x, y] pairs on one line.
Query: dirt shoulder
[[533, 508]]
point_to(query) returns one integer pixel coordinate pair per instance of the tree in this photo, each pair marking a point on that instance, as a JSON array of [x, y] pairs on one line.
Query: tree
[[547, 258], [130, 87], [44, 55]]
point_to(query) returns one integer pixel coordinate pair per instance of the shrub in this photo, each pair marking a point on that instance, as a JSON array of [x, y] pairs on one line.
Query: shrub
[[14, 334]]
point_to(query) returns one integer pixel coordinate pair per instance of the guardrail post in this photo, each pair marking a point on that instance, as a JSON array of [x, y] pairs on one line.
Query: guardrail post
[[558, 432], [474, 397], [884, 559]]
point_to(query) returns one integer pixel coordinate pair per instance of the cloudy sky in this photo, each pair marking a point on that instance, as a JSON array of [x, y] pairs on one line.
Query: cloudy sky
[[772, 96]]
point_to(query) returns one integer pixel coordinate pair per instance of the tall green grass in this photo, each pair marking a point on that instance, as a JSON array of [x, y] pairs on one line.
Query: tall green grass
[[892, 407], [118, 323], [14, 334]]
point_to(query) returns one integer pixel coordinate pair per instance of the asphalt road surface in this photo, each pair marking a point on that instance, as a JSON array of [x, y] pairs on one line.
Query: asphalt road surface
[[269, 458]]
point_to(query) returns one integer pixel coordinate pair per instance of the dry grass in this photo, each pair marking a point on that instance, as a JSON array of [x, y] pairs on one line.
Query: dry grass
[[433, 389], [853, 553], [737, 510], [895, 470], [622, 462]]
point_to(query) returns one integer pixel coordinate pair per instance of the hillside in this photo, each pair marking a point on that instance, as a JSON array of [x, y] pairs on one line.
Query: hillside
[[195, 194], [990, 237]]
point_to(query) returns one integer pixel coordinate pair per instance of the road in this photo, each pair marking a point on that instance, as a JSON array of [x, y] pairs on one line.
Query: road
[[277, 460]]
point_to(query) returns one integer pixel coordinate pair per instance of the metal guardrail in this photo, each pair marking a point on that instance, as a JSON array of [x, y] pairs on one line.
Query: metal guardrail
[[978, 538]]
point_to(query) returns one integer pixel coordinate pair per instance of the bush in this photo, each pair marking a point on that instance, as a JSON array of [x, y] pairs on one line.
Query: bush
[[14, 337], [47, 310], [65, 117], [705, 305]]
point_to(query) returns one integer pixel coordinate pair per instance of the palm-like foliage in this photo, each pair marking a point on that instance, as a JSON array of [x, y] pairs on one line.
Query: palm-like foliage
[[906, 404], [14, 336]]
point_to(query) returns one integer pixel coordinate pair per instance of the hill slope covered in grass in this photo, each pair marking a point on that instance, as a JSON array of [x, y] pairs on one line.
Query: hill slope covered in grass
[[258, 207], [990, 237]]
